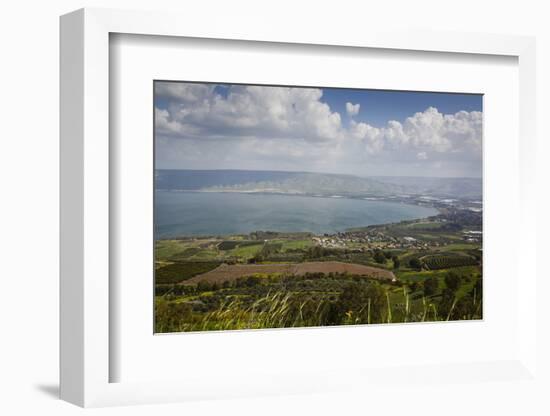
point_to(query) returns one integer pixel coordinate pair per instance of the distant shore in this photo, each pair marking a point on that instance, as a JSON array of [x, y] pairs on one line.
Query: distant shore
[[187, 215]]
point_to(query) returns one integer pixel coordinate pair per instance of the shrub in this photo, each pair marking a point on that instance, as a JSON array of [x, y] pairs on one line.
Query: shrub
[[379, 257], [361, 303], [453, 281], [172, 317], [396, 262], [415, 263], [431, 285]]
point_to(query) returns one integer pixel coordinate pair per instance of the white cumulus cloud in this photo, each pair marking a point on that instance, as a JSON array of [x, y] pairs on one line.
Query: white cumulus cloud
[[352, 109], [248, 111], [427, 131], [293, 128]]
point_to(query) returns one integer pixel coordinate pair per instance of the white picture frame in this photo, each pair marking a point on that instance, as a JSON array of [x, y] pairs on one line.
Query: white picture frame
[[85, 209]]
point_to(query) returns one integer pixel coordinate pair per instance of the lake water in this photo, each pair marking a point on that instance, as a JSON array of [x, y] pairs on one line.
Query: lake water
[[201, 213]]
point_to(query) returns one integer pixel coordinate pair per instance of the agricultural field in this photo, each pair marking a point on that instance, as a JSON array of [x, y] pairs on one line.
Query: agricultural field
[[180, 271], [447, 260], [414, 271], [233, 272]]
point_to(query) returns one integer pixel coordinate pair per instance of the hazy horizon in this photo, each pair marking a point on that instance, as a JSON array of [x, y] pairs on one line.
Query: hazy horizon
[[326, 173]]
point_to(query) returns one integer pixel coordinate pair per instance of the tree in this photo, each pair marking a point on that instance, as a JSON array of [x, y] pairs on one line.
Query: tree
[[316, 252], [453, 281], [415, 263], [203, 286], [379, 257], [431, 285], [252, 281], [396, 262], [255, 259], [361, 303]]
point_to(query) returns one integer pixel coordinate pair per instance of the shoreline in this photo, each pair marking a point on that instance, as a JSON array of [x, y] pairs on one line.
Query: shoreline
[[415, 200], [368, 199], [426, 201]]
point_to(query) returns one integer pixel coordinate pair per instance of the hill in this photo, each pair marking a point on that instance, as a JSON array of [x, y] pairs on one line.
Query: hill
[[309, 183]]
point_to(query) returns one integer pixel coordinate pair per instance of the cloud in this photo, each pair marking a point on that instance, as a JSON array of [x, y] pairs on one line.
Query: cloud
[[428, 131], [247, 111], [352, 109], [256, 127], [183, 92]]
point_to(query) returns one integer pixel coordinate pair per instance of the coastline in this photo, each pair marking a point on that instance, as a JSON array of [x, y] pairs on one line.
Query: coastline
[[393, 200]]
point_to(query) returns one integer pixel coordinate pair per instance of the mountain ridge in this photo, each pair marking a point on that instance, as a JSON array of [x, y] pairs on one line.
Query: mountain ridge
[[310, 183]]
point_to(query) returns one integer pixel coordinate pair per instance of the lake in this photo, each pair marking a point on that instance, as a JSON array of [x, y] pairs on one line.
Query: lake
[[209, 213]]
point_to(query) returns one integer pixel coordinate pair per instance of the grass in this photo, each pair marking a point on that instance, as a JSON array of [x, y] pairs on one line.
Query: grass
[[185, 254], [461, 246], [418, 276], [297, 244], [206, 254], [284, 309], [247, 251], [424, 225], [274, 310], [164, 249]]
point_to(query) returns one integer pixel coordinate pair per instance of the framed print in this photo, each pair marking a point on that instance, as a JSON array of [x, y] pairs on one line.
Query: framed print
[[276, 206], [308, 208]]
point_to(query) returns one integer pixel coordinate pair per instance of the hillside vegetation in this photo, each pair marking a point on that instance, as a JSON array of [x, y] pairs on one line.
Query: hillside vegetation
[[412, 271]]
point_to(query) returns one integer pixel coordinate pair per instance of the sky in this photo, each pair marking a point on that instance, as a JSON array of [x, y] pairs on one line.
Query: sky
[[330, 130]]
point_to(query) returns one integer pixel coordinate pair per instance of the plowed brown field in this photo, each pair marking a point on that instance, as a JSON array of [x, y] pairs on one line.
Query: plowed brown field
[[232, 272]]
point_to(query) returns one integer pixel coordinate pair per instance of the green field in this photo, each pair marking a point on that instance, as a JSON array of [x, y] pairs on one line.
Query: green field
[[165, 249], [180, 271], [438, 277], [461, 246], [297, 244], [424, 225], [246, 251]]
